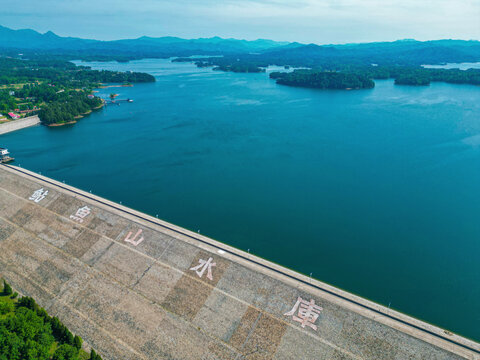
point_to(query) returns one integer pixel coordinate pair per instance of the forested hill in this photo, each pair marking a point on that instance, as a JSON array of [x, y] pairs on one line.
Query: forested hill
[[399, 60], [402, 53]]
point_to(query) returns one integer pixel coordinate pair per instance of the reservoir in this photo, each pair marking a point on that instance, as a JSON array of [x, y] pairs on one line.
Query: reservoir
[[374, 191]]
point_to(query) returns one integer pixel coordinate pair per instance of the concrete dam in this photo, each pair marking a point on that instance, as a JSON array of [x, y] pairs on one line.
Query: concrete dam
[[135, 287]]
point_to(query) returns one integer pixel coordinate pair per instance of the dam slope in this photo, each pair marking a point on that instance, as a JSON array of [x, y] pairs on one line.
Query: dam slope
[[135, 287]]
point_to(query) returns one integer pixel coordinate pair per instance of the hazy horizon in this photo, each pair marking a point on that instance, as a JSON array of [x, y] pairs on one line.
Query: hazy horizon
[[232, 38], [305, 21]]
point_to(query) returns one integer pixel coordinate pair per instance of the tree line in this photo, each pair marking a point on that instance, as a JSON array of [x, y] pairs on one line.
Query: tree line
[[63, 73]]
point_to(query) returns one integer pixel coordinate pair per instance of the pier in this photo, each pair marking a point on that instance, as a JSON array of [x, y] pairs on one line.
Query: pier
[[118, 101], [136, 287]]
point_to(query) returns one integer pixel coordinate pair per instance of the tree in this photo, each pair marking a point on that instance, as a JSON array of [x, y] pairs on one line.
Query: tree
[[27, 302], [68, 337], [6, 307], [77, 342], [93, 356], [7, 289], [65, 352]]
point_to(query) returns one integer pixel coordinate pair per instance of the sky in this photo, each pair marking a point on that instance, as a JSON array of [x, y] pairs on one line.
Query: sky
[[306, 21]]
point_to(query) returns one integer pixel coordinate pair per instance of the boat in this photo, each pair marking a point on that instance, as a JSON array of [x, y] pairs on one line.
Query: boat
[[5, 156]]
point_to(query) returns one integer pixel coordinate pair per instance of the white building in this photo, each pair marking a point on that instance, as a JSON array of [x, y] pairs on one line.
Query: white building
[[4, 156]]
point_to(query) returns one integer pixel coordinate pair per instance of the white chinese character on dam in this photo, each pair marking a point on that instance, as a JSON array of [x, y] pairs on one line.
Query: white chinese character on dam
[[134, 240], [205, 265], [81, 214], [307, 312], [38, 195]]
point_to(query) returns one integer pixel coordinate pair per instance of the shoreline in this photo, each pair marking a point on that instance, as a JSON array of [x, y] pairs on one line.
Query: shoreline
[[112, 86], [82, 115], [14, 125], [62, 124]]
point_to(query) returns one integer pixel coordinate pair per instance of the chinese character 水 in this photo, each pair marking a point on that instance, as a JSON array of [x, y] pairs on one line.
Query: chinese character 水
[[81, 214], [132, 240], [204, 265], [307, 312], [38, 195]]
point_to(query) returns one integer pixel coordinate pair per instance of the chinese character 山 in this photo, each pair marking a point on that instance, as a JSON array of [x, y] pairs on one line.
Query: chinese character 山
[[134, 241]]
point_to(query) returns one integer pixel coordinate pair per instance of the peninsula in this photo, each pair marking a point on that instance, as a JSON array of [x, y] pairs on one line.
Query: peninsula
[[59, 92]]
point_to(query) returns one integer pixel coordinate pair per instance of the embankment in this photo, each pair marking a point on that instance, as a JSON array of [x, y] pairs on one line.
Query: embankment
[[19, 124], [136, 287]]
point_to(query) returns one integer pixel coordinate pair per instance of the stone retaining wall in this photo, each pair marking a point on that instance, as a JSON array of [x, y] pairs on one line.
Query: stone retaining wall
[[19, 124]]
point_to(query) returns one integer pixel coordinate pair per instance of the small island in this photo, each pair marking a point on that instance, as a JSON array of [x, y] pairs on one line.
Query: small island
[[240, 68], [323, 80], [224, 64], [355, 68]]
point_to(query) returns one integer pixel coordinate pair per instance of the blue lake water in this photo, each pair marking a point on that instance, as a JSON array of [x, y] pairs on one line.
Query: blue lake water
[[373, 191]]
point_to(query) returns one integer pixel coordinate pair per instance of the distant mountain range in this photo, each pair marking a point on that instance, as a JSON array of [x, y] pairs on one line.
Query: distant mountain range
[[410, 52], [33, 40]]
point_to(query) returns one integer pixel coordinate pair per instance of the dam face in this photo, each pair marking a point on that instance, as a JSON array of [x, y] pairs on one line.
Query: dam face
[[135, 287]]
